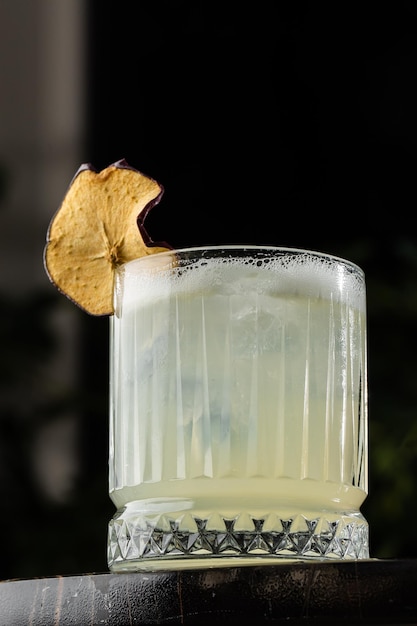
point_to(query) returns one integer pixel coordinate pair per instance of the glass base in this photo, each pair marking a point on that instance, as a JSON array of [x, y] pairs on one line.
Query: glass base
[[141, 542]]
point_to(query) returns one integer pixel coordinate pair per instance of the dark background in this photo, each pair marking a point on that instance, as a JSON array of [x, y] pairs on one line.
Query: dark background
[[268, 123]]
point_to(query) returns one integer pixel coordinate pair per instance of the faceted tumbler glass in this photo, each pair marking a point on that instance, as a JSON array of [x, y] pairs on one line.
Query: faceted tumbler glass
[[238, 409]]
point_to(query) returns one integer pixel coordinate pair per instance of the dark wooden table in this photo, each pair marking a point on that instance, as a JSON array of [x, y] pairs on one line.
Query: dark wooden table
[[362, 592]]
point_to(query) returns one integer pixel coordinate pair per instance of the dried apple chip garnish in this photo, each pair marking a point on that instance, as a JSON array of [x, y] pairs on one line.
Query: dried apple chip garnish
[[99, 226]]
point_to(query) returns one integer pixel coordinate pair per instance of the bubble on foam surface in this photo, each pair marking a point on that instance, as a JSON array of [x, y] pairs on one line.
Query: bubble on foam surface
[[300, 273]]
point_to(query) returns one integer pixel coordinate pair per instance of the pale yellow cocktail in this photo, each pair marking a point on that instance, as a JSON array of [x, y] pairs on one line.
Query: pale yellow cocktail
[[238, 409]]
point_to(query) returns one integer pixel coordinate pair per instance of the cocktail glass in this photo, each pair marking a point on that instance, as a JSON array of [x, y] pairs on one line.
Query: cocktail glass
[[238, 409]]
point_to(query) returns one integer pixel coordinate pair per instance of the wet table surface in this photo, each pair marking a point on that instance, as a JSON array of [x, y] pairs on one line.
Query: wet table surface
[[362, 592]]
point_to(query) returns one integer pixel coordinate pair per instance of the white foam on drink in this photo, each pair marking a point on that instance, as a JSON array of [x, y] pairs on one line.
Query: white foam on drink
[[264, 271]]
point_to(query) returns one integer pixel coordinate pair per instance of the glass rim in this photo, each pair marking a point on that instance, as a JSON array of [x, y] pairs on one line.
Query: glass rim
[[250, 248]]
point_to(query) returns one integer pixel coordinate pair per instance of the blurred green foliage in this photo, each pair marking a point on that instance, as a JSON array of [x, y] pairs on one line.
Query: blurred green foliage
[[391, 278], [44, 536]]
